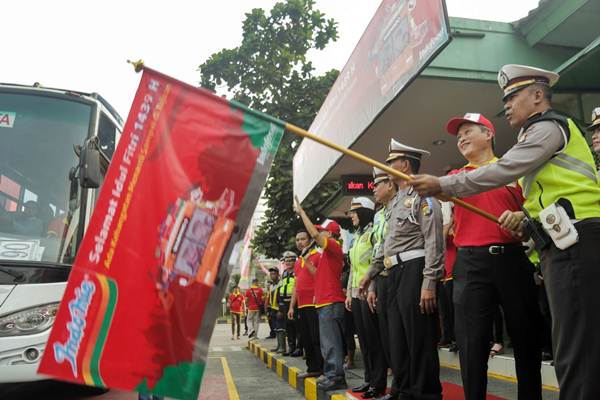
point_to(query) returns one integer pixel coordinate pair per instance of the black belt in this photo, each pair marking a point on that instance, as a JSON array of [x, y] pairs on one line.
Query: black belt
[[495, 249]]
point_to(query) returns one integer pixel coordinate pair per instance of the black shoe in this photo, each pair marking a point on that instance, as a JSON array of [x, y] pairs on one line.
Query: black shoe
[[305, 375], [251, 335], [388, 396], [328, 385], [453, 348], [270, 337], [297, 353], [546, 356], [362, 388], [373, 393]]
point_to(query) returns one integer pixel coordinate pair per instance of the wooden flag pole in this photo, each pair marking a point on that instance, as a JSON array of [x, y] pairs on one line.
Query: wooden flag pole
[[361, 157], [139, 66]]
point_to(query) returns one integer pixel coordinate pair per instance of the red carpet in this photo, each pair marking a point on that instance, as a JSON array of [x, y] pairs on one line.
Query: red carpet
[[455, 392], [450, 392]]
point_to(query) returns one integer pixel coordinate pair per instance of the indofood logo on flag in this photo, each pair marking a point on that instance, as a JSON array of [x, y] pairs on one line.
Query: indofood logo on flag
[[147, 283], [78, 309]]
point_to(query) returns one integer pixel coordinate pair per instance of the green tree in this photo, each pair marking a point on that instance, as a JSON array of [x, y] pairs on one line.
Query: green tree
[[270, 71], [234, 280]]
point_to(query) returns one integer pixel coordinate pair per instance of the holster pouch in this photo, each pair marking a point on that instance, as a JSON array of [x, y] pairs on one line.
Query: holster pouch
[[558, 226], [537, 233]]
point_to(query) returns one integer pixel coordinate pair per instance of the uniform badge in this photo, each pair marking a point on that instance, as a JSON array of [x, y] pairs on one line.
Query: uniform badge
[[502, 79], [522, 137], [426, 208], [408, 202]]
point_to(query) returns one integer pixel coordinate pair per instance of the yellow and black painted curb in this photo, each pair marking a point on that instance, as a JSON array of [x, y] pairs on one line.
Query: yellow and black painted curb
[[308, 386]]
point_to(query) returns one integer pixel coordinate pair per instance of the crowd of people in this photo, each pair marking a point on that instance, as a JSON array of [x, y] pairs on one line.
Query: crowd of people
[[425, 273]]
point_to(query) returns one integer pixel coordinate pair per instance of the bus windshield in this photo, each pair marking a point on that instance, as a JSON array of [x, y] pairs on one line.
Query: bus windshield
[[39, 205]]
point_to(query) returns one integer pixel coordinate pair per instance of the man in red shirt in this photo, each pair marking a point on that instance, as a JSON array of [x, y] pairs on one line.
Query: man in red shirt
[[236, 306], [254, 299], [303, 297], [491, 268], [329, 299]]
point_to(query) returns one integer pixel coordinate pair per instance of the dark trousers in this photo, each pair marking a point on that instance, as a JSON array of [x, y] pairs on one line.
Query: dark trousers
[[546, 319], [498, 327], [446, 308], [271, 319], [367, 327], [572, 280], [309, 328], [417, 336], [289, 324], [482, 281], [278, 321], [349, 343], [235, 321], [299, 343], [387, 316]]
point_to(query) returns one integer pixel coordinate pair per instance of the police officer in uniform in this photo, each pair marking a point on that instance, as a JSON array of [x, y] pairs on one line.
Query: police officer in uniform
[[594, 128], [561, 185], [362, 210], [413, 260], [284, 297]]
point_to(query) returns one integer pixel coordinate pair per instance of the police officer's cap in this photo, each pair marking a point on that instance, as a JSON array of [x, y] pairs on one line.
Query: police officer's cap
[[399, 150], [513, 77], [362, 202], [595, 119], [273, 269], [379, 175], [289, 254]]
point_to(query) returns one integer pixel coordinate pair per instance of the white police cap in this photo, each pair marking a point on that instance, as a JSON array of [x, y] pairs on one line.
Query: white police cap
[[399, 150], [595, 119], [379, 175], [513, 77], [362, 202]]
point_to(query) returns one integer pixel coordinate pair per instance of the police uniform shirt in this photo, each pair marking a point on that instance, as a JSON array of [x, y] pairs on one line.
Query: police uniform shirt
[[535, 146], [414, 223]]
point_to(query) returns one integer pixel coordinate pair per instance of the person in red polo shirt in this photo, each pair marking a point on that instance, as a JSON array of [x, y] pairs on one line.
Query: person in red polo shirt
[[303, 297], [254, 299], [491, 268], [329, 299], [236, 307]]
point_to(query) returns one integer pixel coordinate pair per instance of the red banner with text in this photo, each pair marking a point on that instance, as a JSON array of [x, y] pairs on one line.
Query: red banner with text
[[147, 283]]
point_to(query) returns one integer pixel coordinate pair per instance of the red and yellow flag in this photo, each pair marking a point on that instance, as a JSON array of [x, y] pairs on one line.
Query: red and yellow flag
[[147, 283]]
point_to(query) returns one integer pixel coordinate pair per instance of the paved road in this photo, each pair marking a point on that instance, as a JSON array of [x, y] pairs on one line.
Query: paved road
[[231, 373]]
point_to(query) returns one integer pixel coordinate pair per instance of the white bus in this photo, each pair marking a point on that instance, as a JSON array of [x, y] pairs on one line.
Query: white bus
[[55, 146]]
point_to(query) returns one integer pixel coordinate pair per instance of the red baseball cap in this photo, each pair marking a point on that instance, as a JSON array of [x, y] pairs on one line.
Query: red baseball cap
[[455, 123], [331, 226]]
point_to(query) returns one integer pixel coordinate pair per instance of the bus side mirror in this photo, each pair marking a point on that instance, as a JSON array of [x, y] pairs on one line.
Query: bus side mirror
[[90, 175]]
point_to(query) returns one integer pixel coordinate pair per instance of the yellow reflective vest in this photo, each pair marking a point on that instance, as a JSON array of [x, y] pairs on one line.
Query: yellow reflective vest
[[569, 178]]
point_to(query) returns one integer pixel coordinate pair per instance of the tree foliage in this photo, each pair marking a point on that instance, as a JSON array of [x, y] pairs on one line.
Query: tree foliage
[[270, 71]]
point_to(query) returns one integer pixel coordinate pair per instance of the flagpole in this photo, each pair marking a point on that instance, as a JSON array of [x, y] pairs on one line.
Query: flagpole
[[139, 66], [362, 158]]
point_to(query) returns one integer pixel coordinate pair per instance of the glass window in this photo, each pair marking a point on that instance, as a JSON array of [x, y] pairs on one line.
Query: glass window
[[36, 155], [107, 133]]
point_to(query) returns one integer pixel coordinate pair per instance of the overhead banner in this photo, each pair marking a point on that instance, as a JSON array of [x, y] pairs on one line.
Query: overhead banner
[[146, 286], [403, 37], [245, 260]]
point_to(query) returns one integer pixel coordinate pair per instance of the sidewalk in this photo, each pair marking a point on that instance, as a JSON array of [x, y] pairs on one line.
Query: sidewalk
[[500, 387]]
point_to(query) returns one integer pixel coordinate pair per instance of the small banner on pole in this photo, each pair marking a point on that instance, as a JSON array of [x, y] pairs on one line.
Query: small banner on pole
[[146, 286]]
